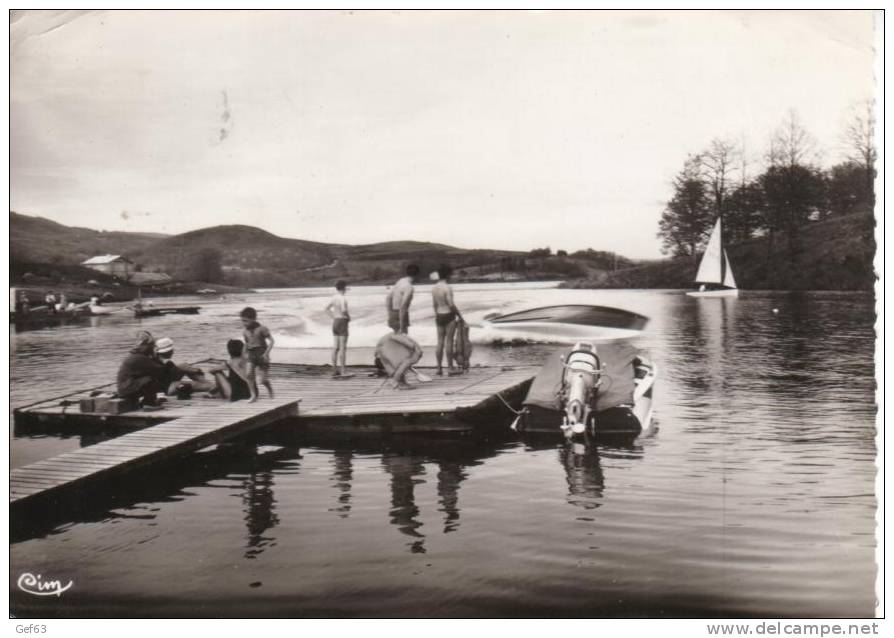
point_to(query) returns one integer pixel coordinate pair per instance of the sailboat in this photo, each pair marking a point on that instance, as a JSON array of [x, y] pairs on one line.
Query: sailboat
[[715, 269]]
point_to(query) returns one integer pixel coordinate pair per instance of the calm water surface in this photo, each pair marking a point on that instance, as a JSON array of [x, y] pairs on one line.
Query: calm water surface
[[753, 495]]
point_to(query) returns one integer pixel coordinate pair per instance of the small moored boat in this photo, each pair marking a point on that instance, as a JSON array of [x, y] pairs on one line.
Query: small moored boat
[[153, 311]]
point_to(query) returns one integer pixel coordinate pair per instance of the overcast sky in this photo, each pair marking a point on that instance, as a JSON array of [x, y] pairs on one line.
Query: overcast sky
[[489, 129]]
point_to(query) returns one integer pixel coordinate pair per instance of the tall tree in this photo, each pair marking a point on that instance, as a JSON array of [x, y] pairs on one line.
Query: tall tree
[[791, 194], [744, 212], [717, 166], [846, 189], [792, 188], [860, 141], [687, 217], [791, 145]]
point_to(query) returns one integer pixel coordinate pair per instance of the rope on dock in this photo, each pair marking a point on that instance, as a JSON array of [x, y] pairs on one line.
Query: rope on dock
[[472, 385]]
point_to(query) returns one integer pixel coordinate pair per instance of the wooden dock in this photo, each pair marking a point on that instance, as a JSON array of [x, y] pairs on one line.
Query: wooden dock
[[185, 426], [166, 440]]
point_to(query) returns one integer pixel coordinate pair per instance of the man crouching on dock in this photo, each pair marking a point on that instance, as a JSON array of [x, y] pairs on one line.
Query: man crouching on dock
[[141, 376]]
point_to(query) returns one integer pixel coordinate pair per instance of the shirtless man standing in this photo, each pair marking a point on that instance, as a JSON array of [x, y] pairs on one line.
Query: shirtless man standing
[[446, 317], [398, 301]]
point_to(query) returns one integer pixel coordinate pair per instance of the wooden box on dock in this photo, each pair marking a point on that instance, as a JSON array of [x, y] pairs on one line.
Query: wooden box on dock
[[107, 405]]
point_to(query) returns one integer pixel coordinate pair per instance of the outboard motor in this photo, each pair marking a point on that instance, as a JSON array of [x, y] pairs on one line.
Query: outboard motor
[[580, 381]]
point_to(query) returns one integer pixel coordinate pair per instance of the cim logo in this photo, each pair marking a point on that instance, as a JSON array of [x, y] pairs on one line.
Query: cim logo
[[31, 584]]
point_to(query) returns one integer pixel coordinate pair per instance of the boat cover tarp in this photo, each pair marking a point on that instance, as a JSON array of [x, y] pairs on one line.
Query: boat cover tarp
[[617, 383]]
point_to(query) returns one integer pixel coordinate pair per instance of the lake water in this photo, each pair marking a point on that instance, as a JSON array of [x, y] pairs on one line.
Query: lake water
[[753, 495]]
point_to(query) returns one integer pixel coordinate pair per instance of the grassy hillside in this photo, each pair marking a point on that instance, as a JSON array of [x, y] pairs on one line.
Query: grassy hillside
[[242, 248], [254, 258], [39, 240], [835, 254]]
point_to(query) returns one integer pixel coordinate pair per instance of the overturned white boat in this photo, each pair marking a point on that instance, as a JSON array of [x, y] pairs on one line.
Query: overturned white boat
[[568, 323], [714, 269]]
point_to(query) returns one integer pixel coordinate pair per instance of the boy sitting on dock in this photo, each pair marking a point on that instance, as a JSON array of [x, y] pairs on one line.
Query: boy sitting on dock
[[258, 344], [232, 378], [338, 310]]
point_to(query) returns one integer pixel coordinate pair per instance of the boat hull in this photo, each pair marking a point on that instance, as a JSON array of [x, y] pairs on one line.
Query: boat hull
[[158, 312], [729, 292]]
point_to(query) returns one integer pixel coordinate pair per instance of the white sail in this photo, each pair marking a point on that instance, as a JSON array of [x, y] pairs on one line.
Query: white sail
[[709, 268], [729, 281]]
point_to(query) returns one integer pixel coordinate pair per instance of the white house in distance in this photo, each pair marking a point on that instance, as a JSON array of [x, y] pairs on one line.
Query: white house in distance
[[115, 265]]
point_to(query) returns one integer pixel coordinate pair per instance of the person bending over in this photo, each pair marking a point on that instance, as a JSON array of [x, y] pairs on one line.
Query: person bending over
[[397, 353]]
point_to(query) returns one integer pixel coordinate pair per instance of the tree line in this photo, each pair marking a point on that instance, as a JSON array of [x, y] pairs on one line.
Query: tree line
[[792, 190]]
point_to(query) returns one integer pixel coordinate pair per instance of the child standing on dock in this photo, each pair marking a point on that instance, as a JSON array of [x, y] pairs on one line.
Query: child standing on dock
[[258, 344], [338, 310]]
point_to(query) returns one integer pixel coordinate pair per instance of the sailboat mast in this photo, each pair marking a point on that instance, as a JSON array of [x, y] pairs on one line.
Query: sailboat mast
[[722, 246]]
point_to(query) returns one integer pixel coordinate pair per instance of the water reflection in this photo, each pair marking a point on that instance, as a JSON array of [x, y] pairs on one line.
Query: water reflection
[[260, 507], [409, 462], [450, 475], [128, 496], [583, 474], [404, 471], [582, 463], [407, 468], [342, 475]]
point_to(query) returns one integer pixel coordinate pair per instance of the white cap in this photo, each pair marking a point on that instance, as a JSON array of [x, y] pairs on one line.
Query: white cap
[[164, 345]]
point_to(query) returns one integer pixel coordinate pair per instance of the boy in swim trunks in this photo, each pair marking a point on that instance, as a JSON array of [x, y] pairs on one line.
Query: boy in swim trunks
[[446, 317], [338, 310], [258, 344]]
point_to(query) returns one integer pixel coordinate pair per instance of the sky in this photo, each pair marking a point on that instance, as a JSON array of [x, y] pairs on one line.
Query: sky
[[498, 129]]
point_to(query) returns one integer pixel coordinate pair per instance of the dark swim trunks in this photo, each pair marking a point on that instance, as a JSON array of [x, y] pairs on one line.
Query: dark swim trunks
[[256, 356], [394, 320], [340, 327], [444, 319]]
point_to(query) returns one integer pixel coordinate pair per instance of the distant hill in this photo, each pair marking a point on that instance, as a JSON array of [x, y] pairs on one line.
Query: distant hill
[[252, 257], [242, 249], [39, 240], [835, 254]]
